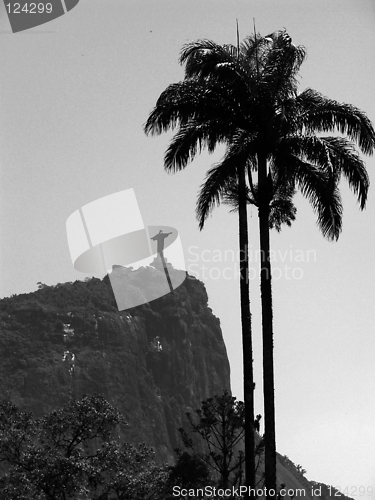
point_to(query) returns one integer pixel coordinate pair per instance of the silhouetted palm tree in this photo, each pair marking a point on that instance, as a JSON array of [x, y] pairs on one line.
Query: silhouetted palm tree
[[190, 105], [246, 98]]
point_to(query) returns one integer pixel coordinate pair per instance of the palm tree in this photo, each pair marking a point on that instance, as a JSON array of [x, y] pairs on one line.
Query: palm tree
[[192, 106], [247, 98], [276, 132]]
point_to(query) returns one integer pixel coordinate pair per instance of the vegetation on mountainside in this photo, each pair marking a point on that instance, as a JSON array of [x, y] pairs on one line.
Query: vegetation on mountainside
[[71, 454], [220, 424]]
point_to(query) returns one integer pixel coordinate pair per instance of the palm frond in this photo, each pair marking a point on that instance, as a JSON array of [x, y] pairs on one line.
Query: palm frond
[[191, 139], [312, 148], [176, 105], [334, 155], [223, 176], [225, 65], [330, 214], [320, 114], [346, 160], [217, 181], [282, 209], [194, 100], [281, 65], [320, 189], [205, 58]]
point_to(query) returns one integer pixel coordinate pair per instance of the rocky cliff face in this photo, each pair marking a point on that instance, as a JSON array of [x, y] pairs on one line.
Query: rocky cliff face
[[153, 363]]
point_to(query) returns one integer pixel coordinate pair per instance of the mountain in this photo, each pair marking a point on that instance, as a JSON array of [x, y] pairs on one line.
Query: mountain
[[154, 362]]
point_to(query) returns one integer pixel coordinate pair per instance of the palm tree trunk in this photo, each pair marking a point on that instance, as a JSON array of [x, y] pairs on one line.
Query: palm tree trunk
[[246, 335], [267, 329]]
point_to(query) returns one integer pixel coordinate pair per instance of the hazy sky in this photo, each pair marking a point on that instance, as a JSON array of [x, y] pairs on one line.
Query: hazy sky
[[74, 95]]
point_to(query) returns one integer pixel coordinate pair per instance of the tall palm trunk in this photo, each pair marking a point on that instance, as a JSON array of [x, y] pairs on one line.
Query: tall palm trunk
[[246, 334], [267, 328]]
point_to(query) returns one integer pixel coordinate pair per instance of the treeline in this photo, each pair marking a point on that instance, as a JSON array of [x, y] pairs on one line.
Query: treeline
[[94, 295], [74, 453]]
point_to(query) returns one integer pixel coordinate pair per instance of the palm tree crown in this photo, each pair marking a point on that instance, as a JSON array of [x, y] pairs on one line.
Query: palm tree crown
[[246, 97]]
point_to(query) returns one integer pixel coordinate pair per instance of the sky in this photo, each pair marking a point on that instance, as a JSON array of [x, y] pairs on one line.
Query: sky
[[74, 95]]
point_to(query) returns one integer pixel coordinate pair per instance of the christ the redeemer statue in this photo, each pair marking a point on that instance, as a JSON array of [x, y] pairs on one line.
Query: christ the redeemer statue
[[159, 238]]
